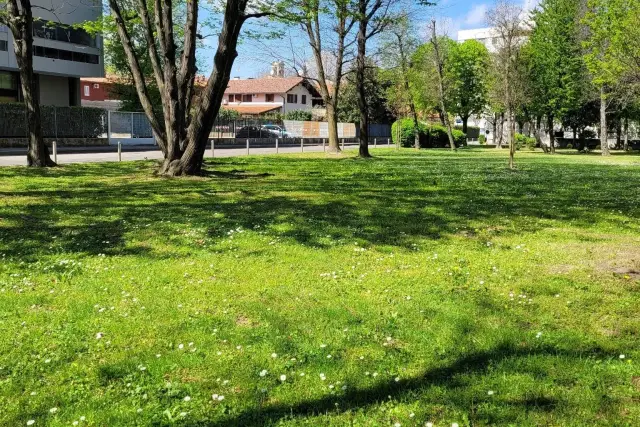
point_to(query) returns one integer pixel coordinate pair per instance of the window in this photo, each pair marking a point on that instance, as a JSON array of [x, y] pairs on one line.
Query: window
[[292, 99], [8, 81], [269, 97], [8, 87], [304, 100], [62, 33], [4, 46], [231, 98], [65, 55], [96, 86], [238, 98], [86, 90], [247, 98]]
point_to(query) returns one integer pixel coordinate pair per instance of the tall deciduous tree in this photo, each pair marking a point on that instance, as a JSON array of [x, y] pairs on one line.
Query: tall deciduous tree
[[18, 16], [398, 45], [506, 18], [326, 24], [613, 52], [439, 61], [184, 131], [468, 70], [554, 52]]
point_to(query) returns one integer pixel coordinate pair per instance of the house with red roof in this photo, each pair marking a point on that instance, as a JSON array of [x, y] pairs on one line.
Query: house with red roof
[[273, 94]]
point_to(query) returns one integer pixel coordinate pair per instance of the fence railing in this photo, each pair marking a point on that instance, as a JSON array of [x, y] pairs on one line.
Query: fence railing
[[87, 122], [57, 122]]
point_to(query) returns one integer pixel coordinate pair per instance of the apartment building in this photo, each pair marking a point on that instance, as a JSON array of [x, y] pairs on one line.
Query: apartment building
[[62, 54]]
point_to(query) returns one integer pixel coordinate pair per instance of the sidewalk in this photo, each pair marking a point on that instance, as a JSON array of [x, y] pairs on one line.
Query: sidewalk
[[66, 155]]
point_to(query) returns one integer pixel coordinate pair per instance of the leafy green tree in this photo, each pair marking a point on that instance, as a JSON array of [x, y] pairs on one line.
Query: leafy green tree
[[612, 52], [376, 87], [556, 64], [468, 70]]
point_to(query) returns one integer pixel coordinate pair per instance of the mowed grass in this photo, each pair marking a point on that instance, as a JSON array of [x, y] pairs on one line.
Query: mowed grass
[[309, 290]]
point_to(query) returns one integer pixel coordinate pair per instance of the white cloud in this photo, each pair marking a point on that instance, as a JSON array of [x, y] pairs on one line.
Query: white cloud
[[477, 15]]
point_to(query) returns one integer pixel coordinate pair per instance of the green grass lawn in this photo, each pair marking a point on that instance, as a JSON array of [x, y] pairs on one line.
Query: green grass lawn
[[304, 290]]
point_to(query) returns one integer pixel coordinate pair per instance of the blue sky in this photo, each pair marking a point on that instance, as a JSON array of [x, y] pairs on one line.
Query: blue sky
[[452, 16]]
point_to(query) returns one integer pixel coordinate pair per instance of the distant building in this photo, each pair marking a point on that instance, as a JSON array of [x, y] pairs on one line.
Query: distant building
[[273, 94], [62, 54]]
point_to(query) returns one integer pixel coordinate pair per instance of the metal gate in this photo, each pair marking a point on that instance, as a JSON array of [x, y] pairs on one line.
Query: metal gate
[[129, 129]]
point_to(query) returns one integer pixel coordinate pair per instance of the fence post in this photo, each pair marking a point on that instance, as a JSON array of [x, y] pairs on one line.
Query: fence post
[[55, 152], [55, 121], [375, 142], [388, 142], [323, 145], [119, 151], [213, 147], [342, 144], [302, 145], [131, 125], [247, 146], [277, 139], [108, 127]]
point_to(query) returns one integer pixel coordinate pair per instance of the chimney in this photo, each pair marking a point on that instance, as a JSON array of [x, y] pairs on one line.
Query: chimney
[[277, 69]]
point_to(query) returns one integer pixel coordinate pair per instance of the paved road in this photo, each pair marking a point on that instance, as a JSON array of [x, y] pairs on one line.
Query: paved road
[[15, 157]]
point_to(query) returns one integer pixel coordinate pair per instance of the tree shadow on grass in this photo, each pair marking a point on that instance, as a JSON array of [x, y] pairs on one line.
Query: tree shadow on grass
[[385, 202], [445, 377]]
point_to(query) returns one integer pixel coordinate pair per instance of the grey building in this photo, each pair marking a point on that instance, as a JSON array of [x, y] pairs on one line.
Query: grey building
[[62, 54]]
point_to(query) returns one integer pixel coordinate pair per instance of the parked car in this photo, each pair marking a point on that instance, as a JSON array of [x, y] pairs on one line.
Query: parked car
[[278, 129], [256, 132]]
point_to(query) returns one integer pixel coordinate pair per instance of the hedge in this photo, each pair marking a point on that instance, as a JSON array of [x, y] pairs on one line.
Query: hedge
[[431, 136]]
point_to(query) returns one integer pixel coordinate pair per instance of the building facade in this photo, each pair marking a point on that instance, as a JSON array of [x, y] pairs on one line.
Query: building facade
[[62, 54]]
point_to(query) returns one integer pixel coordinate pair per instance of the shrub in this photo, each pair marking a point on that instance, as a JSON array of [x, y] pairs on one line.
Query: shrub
[[482, 140], [431, 136], [473, 132], [569, 146], [587, 134], [226, 114], [523, 140], [299, 115]]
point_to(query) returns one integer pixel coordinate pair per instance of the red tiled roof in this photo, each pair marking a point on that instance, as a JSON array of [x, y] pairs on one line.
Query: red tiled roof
[[263, 85], [252, 109]]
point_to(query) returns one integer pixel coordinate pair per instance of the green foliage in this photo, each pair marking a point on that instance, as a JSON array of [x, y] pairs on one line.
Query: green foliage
[[431, 136], [613, 45], [525, 141], [299, 115], [556, 69], [376, 89], [467, 71], [226, 114], [482, 139]]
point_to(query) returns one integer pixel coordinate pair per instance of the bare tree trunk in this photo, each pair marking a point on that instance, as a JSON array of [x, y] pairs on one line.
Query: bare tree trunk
[[604, 143], [552, 135], [575, 136], [209, 102], [618, 133], [495, 130], [332, 127], [626, 134], [363, 150], [21, 24], [407, 88], [439, 63], [465, 124], [501, 130], [511, 125]]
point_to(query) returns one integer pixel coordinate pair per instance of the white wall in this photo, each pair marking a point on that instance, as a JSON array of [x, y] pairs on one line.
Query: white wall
[[298, 90]]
